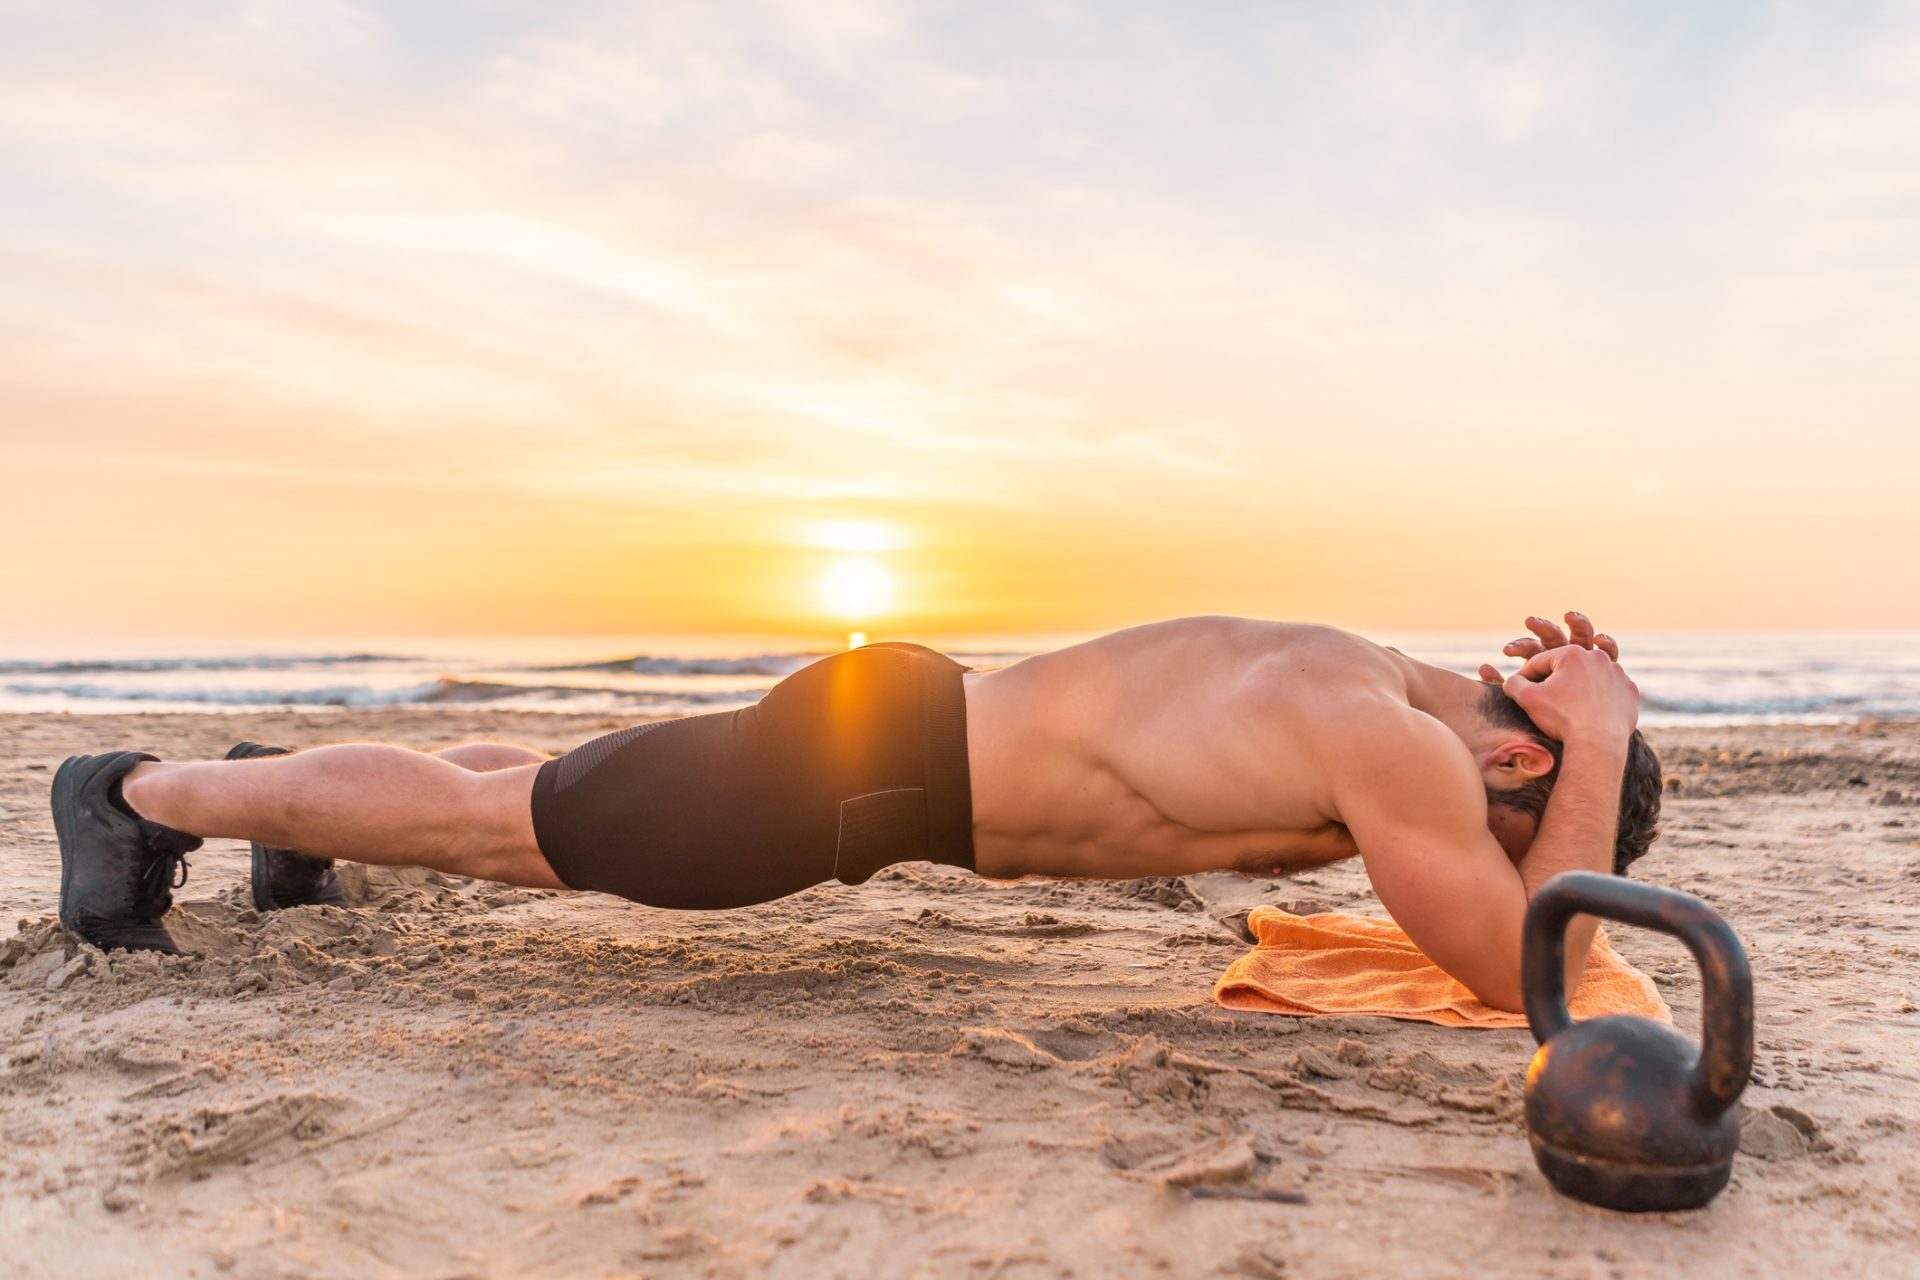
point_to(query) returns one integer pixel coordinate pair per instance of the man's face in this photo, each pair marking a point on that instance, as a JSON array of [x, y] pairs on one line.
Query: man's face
[[1513, 829]]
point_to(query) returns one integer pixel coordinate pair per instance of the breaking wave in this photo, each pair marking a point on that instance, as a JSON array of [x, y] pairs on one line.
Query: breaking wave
[[153, 666], [444, 690], [774, 665]]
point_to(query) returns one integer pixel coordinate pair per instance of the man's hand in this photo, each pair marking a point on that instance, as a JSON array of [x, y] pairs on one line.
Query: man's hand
[[1548, 635], [1577, 694]]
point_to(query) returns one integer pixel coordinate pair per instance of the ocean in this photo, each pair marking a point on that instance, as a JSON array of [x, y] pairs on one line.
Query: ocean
[[1691, 678]]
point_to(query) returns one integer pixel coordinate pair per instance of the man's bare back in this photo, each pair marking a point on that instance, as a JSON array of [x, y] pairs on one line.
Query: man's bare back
[[1165, 749]]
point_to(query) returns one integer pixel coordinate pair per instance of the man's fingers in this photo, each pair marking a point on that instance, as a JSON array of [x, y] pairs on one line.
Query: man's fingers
[[1541, 665], [1490, 674], [1521, 691], [1537, 650], [1551, 636]]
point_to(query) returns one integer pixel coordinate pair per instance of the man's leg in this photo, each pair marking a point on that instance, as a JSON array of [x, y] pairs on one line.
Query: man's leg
[[468, 814], [283, 878]]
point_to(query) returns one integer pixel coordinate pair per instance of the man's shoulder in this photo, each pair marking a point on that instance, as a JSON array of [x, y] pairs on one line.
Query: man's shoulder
[[1344, 705], [1378, 720], [1393, 757]]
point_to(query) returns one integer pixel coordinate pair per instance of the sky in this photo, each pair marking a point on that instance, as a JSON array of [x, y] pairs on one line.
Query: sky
[[787, 315]]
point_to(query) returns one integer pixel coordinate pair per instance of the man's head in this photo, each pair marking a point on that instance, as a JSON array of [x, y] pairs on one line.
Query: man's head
[[1523, 767]]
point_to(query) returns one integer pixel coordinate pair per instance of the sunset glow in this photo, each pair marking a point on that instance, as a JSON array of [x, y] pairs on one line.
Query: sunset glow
[[857, 535], [345, 318], [859, 590]]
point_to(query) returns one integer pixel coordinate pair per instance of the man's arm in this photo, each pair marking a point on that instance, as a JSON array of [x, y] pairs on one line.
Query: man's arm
[[1577, 832], [1582, 697], [1408, 791]]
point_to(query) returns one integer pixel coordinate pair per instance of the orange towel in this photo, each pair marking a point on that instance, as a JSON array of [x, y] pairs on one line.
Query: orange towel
[[1338, 964]]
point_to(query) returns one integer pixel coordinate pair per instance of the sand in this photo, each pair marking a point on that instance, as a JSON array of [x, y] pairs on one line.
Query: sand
[[931, 1074]]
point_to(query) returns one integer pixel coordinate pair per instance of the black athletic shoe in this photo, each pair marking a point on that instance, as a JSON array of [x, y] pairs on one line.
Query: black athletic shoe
[[281, 877], [117, 871]]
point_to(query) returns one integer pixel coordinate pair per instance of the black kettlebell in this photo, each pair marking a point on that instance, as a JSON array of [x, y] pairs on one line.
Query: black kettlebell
[[1623, 1112]]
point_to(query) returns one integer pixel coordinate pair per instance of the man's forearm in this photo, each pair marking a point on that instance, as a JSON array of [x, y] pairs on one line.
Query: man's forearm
[[1577, 832]]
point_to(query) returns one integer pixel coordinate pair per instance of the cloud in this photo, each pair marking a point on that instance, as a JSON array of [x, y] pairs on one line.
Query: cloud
[[1508, 77], [1069, 257]]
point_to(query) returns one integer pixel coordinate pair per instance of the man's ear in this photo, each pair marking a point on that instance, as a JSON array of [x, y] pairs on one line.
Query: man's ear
[[1518, 761]]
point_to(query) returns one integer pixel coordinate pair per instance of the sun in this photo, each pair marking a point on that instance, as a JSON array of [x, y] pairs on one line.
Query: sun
[[857, 588]]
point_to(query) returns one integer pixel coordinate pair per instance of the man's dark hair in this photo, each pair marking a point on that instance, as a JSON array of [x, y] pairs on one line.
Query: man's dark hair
[[1640, 786]]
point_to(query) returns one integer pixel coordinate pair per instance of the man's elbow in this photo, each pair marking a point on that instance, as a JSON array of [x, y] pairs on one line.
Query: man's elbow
[[1494, 975], [1504, 991], [1507, 992]]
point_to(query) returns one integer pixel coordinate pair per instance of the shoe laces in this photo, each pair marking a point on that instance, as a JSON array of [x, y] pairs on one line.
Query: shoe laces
[[166, 868], [167, 872]]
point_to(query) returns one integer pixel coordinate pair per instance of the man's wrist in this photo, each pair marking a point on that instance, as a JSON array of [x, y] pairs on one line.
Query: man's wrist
[[1597, 744]]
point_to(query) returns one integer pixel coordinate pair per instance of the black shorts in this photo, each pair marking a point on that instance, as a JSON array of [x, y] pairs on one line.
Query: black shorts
[[848, 765]]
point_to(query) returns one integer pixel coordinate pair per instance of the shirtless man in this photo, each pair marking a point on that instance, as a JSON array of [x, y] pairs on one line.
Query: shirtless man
[[1192, 745]]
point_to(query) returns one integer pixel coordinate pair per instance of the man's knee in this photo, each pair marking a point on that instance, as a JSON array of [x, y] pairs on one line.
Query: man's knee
[[492, 835], [485, 757]]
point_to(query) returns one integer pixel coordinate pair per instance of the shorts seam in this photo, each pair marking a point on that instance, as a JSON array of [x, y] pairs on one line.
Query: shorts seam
[[840, 830], [577, 764]]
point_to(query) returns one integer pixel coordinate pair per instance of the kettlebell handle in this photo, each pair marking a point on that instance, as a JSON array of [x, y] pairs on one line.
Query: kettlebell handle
[[1726, 1003]]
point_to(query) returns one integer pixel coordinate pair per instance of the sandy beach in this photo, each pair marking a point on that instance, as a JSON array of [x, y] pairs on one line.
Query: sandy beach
[[931, 1074]]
